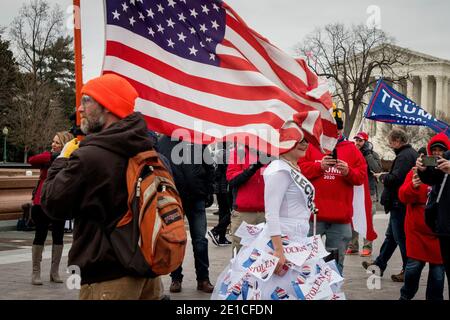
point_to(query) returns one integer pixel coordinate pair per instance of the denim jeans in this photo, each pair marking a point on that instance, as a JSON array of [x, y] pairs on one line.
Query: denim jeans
[[196, 215], [435, 284], [444, 242], [395, 236], [337, 237]]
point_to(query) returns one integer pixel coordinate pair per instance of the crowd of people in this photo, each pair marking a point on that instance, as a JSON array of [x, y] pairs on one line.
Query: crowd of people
[[86, 181]]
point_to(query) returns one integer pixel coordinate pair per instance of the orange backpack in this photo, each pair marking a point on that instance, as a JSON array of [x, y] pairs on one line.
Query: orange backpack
[[150, 239]]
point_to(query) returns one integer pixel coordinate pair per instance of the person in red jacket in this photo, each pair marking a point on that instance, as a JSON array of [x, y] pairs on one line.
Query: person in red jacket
[[334, 180], [244, 176], [422, 245], [41, 220]]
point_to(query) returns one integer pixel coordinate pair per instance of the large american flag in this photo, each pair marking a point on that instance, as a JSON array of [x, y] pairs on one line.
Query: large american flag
[[197, 66]]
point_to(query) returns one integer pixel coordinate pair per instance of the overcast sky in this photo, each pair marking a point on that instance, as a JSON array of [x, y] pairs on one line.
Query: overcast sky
[[420, 25]]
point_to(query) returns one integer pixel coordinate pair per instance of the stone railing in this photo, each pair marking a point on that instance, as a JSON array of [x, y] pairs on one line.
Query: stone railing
[[16, 187]]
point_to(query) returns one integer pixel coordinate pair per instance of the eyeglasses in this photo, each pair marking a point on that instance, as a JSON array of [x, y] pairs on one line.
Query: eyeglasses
[[85, 99]]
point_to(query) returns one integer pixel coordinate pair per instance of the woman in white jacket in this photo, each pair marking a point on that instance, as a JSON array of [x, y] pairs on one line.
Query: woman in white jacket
[[278, 261], [288, 195]]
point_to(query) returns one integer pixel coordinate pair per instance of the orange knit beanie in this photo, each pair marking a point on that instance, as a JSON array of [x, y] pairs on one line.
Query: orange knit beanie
[[113, 92]]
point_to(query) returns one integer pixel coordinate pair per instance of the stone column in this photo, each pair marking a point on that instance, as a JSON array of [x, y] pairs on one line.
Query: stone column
[[410, 89], [446, 105], [439, 94], [424, 94]]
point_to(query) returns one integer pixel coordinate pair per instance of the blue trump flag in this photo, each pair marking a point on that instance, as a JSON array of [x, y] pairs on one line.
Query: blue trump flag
[[389, 105]]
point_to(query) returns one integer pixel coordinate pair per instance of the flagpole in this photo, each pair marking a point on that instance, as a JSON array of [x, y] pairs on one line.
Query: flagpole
[[78, 55], [361, 125]]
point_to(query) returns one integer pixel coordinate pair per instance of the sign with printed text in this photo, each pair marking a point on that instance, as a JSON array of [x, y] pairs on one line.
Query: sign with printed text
[[264, 266], [248, 232], [389, 105]]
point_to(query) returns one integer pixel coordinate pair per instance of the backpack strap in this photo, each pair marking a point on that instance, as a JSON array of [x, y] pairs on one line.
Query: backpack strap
[[442, 188], [145, 155]]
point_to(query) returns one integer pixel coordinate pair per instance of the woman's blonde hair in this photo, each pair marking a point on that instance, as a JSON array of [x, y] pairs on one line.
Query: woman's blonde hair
[[64, 137]]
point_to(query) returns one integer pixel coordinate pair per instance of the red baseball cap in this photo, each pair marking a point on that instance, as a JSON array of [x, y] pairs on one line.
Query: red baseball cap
[[362, 135]]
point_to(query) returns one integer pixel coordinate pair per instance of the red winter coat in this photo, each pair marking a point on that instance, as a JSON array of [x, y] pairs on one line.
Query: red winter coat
[[41, 161], [421, 243], [334, 192], [248, 197]]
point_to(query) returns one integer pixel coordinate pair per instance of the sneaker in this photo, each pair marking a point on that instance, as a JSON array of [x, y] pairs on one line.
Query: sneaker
[[224, 242], [351, 251], [366, 253], [367, 264], [175, 286], [214, 237], [399, 277], [205, 286]]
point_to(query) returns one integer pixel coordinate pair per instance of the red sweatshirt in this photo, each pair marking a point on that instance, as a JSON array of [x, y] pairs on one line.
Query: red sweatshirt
[[41, 161], [334, 191], [248, 196]]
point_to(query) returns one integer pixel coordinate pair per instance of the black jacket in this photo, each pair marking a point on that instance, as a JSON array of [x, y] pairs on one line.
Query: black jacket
[[90, 187], [220, 173], [434, 178], [373, 165], [403, 163], [193, 175]]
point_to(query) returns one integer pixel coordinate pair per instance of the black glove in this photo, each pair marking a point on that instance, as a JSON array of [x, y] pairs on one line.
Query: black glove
[[255, 166], [209, 200]]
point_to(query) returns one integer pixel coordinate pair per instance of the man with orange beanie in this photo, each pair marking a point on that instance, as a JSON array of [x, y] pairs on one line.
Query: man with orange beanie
[[88, 183]]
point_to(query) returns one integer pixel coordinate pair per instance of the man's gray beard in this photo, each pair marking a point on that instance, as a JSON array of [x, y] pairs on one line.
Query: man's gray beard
[[90, 127]]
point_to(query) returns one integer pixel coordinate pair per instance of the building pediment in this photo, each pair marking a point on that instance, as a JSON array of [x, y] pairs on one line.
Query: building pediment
[[415, 57]]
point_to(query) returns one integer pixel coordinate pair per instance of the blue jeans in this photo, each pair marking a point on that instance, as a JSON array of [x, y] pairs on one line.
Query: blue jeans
[[337, 237], [435, 284], [196, 215], [395, 236]]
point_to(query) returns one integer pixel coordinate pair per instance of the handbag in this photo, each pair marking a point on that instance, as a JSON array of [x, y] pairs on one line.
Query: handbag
[[431, 210]]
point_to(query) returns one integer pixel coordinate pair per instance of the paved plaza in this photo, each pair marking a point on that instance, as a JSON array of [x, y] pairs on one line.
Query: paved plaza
[[15, 270]]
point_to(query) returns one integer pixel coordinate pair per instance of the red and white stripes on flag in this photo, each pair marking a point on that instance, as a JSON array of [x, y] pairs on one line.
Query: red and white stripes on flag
[[362, 220], [252, 92]]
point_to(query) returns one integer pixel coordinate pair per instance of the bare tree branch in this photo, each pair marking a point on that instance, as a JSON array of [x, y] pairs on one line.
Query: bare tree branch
[[44, 57], [352, 57]]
